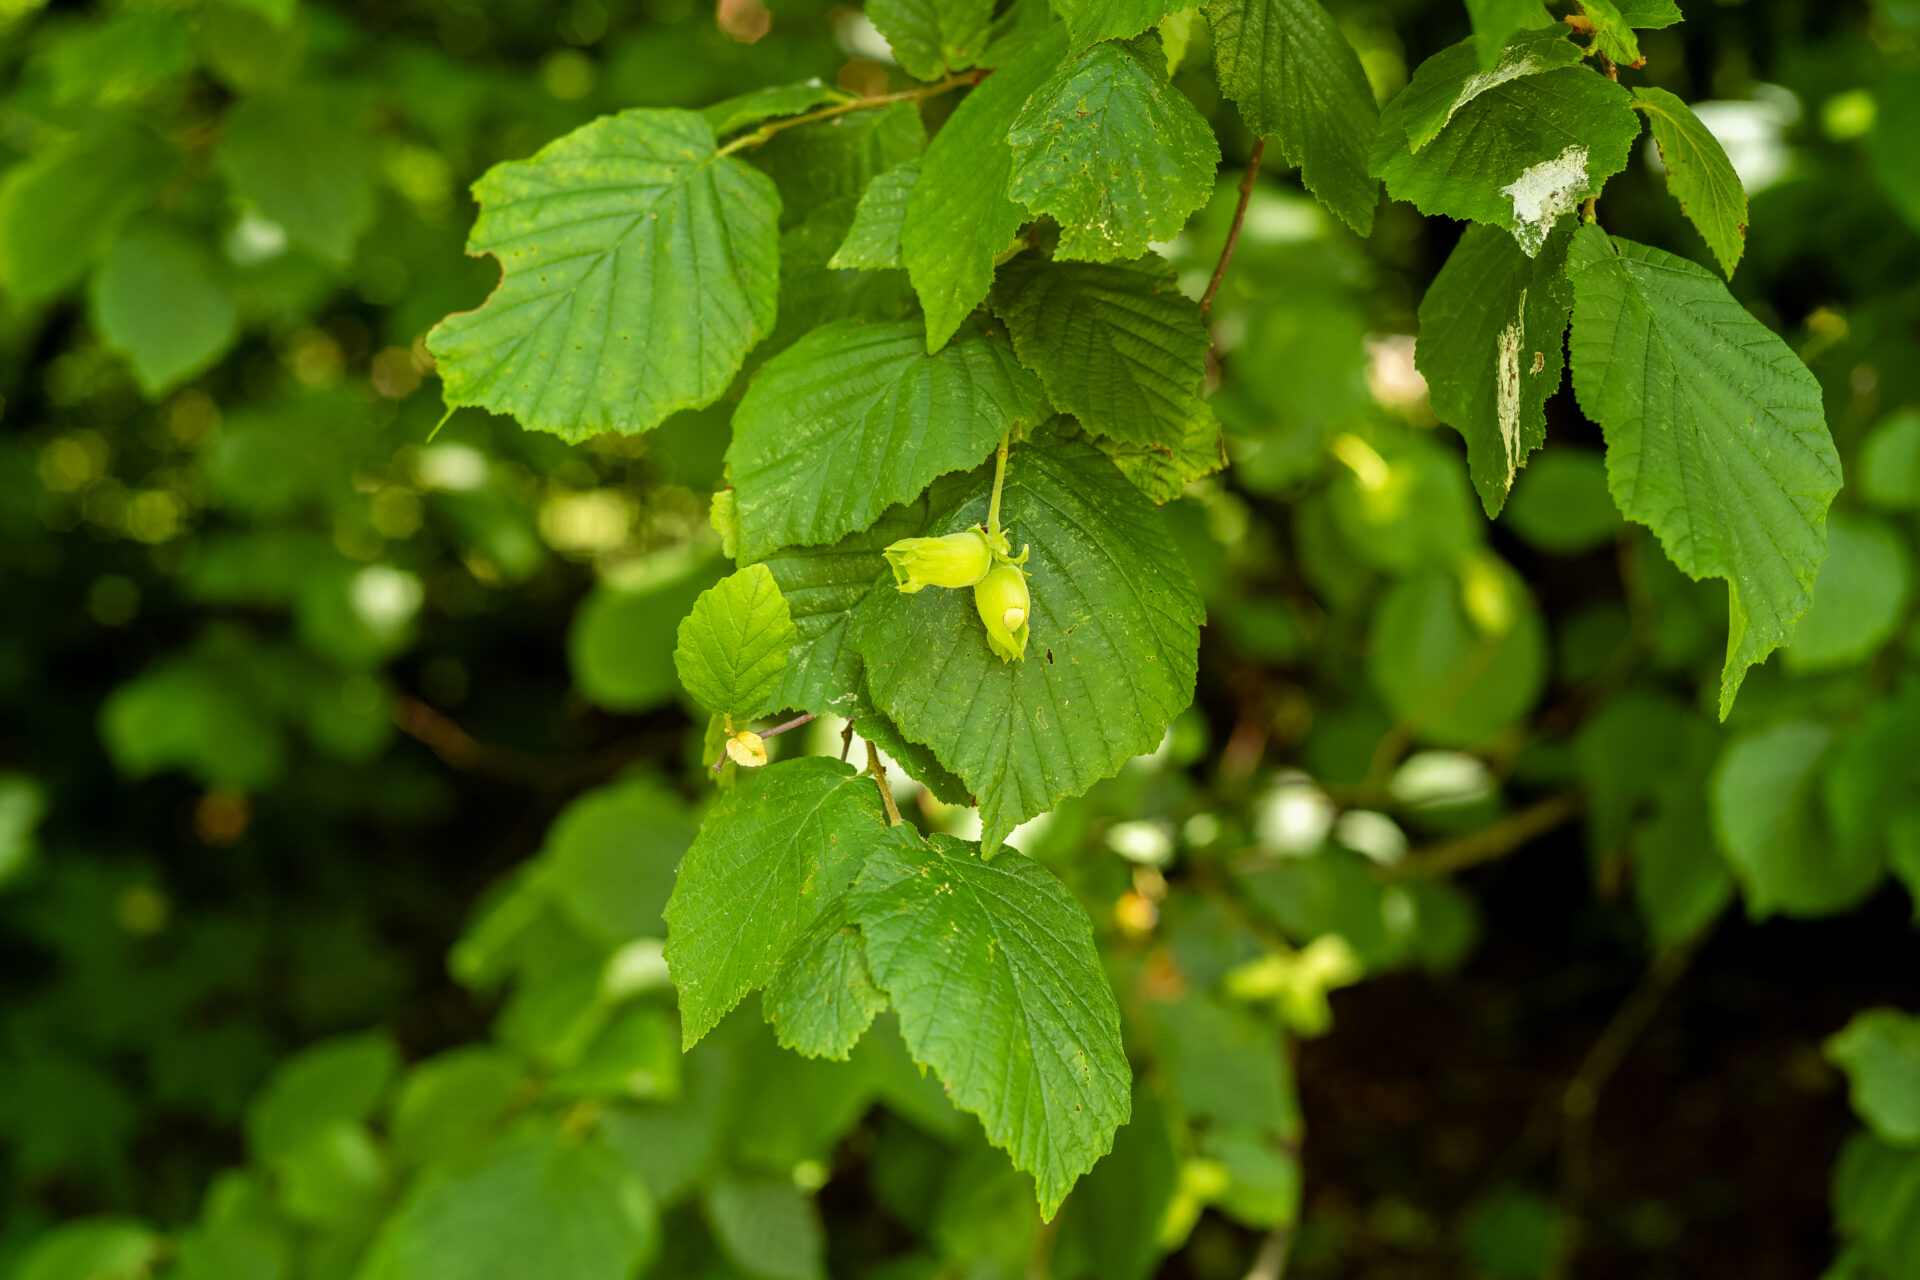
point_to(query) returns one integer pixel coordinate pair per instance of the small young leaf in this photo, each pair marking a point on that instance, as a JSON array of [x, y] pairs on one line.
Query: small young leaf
[[932, 37], [772, 854], [959, 217], [821, 998], [873, 241], [158, 299], [1109, 148], [1880, 1052], [1497, 21], [1518, 147], [856, 417], [1612, 32], [1095, 20], [1699, 175], [639, 268], [303, 165], [1117, 344], [1492, 348], [1716, 437], [1114, 633], [768, 1226], [733, 646], [1765, 815], [769, 104], [1000, 990], [1294, 77], [61, 207]]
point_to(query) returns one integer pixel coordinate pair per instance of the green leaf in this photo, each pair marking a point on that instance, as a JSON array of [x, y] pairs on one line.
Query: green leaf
[[873, 241], [1452, 79], [608, 859], [184, 715], [1896, 123], [1889, 463], [733, 646], [1858, 599], [297, 159], [856, 417], [1876, 1207], [1094, 20], [1648, 14], [1116, 344], [1880, 1052], [158, 301], [959, 217], [993, 969], [1497, 21], [1492, 348], [821, 998], [1715, 435], [932, 37], [61, 207], [1699, 174], [337, 1080], [639, 269], [449, 1104], [1116, 1220], [772, 853], [541, 1205], [1519, 146], [769, 104], [1112, 151], [822, 163], [768, 1226], [121, 58], [1295, 78], [1766, 819], [620, 646], [1612, 33], [823, 586], [1111, 658], [1561, 504], [1162, 471], [1224, 1063], [1459, 655], [92, 1249]]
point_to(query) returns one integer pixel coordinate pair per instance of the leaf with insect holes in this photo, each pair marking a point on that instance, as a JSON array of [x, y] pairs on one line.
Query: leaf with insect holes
[[639, 267], [1000, 990], [1716, 435], [1699, 175], [959, 217], [855, 417], [1114, 634], [772, 855], [1296, 79], [732, 648], [1112, 151], [1492, 348]]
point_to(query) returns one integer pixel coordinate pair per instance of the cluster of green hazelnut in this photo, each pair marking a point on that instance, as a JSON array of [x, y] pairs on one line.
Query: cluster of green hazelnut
[[973, 558]]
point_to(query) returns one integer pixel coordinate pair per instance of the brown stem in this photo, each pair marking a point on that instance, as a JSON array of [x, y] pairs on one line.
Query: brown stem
[[1233, 232], [1489, 843], [774, 732], [1271, 1262], [846, 739], [772, 127], [878, 772], [460, 750]]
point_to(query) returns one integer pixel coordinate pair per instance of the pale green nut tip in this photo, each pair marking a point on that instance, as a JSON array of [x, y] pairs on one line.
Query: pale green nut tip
[[1003, 602], [957, 560]]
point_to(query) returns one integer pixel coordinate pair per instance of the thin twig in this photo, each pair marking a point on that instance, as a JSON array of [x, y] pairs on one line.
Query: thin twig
[[846, 739], [1581, 1098], [460, 750], [1271, 1262], [1489, 843], [774, 732], [1233, 232], [772, 127], [878, 772]]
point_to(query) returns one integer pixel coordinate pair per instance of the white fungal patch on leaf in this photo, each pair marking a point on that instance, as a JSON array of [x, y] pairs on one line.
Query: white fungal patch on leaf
[[1544, 192], [1507, 385]]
